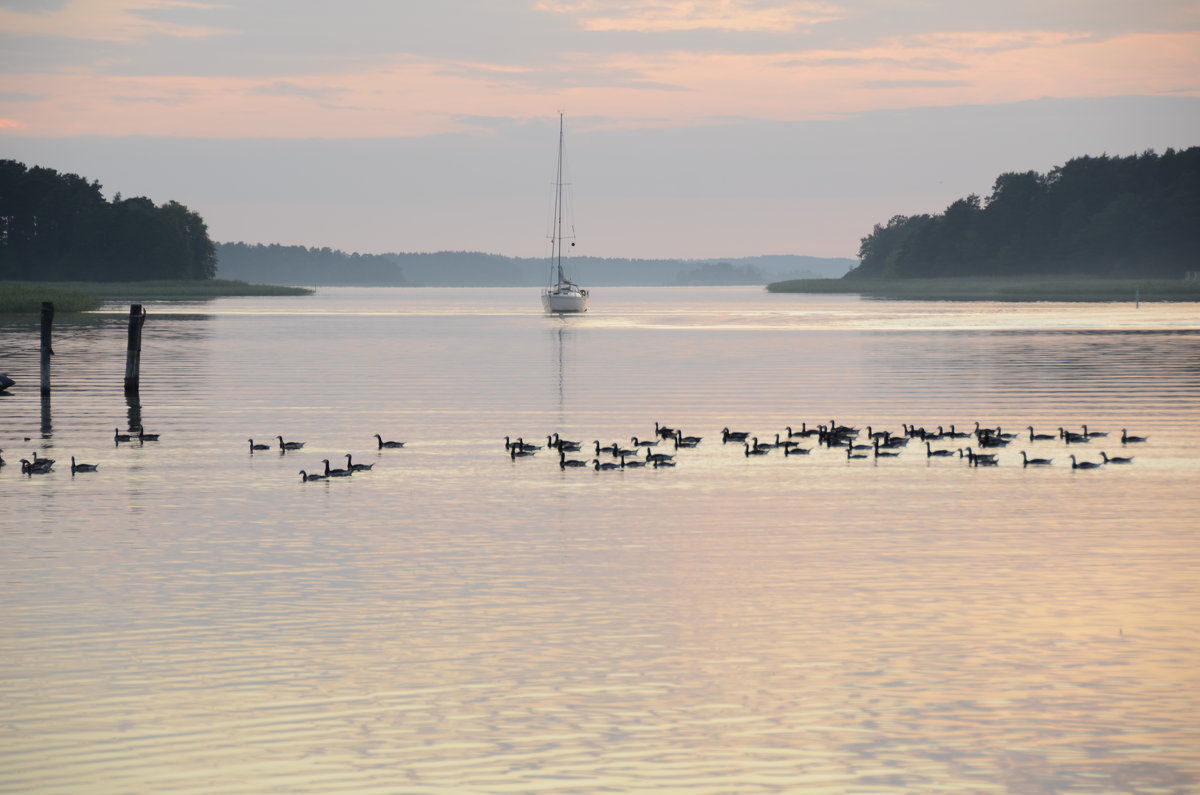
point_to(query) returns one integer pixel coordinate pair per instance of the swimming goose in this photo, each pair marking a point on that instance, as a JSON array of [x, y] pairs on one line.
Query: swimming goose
[[619, 451], [884, 453], [524, 445], [28, 468], [1, 459], [1070, 437], [637, 443], [930, 452], [687, 441], [1116, 459], [976, 458], [564, 462], [796, 451], [515, 452], [305, 477], [119, 437], [353, 467], [953, 434], [1039, 436], [734, 436], [289, 445], [383, 444], [336, 473], [612, 448], [834, 428], [254, 446], [37, 461], [566, 444], [851, 454], [755, 450], [633, 463], [1127, 439], [658, 456], [662, 431], [1034, 462], [1086, 432], [757, 445], [82, 467], [1083, 464], [606, 465], [147, 437]]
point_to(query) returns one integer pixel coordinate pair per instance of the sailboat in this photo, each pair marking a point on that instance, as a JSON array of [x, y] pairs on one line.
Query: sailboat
[[561, 294]]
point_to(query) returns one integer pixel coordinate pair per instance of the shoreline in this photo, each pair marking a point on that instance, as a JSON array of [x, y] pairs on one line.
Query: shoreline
[[72, 297], [1016, 289]]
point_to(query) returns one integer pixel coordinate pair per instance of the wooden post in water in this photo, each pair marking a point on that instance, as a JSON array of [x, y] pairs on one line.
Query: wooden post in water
[[47, 350], [133, 351]]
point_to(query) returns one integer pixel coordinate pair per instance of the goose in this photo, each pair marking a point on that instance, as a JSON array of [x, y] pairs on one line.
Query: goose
[[606, 465], [687, 441], [564, 462], [874, 434], [795, 434], [930, 452], [1086, 432], [643, 443], [755, 450], [734, 436], [1033, 437], [37, 461], [82, 467], [336, 473], [987, 440], [796, 451], [1070, 437], [566, 444], [119, 437], [353, 467], [895, 441], [1116, 459], [1083, 464], [976, 458], [633, 462], [305, 477], [851, 454], [28, 468], [612, 448], [955, 434], [146, 437], [524, 445], [289, 445], [1034, 462], [842, 429], [2, 462], [658, 456], [254, 446], [619, 451], [515, 452], [854, 446], [1127, 439], [383, 444], [884, 453], [662, 431], [986, 462], [757, 445]]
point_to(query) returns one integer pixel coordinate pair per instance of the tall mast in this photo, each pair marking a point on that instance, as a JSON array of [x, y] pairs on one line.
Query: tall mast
[[558, 209]]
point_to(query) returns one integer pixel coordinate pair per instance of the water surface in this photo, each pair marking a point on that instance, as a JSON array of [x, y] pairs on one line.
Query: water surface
[[193, 618]]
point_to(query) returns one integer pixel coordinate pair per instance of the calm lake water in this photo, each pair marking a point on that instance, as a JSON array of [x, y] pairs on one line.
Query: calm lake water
[[194, 618]]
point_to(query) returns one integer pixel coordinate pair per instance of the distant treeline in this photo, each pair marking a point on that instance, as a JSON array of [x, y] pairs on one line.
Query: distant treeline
[[1098, 216], [56, 227], [323, 266]]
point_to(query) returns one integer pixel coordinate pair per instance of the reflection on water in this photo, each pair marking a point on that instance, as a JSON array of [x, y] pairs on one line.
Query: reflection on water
[[192, 617]]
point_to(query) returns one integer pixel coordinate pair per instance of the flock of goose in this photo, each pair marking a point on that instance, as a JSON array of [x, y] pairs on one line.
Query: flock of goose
[[978, 447]]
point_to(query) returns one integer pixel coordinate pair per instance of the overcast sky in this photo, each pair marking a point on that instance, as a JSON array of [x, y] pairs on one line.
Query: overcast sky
[[707, 128]]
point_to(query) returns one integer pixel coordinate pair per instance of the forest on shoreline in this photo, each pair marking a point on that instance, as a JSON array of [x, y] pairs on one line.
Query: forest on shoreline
[[1100, 217], [59, 227]]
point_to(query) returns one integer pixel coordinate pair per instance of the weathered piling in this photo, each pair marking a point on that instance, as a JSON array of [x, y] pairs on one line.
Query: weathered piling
[[47, 350], [133, 351]]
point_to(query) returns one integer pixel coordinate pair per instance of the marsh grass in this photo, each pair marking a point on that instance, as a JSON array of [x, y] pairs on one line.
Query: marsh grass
[[20, 299], [24, 297], [1000, 289]]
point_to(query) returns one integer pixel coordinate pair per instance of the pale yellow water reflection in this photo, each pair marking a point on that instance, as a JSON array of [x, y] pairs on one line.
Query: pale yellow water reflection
[[192, 618]]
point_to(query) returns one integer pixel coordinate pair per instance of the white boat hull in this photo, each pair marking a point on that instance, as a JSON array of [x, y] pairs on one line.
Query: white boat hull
[[561, 302]]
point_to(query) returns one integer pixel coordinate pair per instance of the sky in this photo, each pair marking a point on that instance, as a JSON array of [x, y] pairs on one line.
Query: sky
[[695, 129]]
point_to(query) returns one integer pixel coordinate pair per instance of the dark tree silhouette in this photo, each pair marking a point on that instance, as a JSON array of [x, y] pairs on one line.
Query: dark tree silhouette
[[1136, 216]]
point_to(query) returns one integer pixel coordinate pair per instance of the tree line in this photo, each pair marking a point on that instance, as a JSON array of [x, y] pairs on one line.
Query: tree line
[[1136, 216], [59, 227]]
